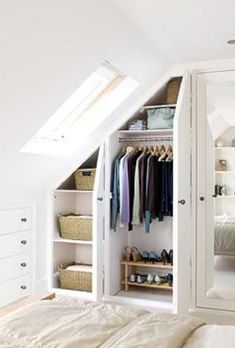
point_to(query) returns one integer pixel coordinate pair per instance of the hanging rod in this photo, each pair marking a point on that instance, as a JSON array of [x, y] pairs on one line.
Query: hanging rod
[[144, 140]]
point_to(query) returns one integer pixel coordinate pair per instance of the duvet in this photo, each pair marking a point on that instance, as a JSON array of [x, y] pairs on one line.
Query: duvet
[[66, 323]]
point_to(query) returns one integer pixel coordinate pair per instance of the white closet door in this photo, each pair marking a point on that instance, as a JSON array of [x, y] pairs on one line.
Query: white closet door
[[215, 270], [182, 206], [98, 226]]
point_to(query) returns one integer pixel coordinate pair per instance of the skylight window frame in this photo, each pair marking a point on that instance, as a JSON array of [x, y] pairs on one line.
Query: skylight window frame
[[58, 127]]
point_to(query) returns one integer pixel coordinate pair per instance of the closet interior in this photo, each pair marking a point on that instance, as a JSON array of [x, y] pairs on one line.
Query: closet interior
[[137, 267], [123, 251]]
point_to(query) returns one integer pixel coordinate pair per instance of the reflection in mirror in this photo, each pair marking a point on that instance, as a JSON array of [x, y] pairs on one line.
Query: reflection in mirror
[[220, 152]]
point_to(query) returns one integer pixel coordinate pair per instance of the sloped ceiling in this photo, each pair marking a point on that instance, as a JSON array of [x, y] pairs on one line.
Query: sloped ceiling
[[48, 48], [185, 30]]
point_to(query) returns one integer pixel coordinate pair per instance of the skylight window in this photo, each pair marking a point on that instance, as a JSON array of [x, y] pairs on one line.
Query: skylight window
[[103, 91]]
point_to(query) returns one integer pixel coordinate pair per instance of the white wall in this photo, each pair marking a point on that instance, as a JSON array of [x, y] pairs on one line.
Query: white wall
[[48, 47]]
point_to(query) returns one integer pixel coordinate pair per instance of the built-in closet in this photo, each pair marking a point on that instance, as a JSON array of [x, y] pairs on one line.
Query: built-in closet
[[214, 190], [105, 253]]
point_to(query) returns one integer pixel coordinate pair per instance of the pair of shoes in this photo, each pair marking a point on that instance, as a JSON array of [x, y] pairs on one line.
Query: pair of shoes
[[167, 257], [168, 278], [139, 278], [150, 256], [132, 254], [155, 278]]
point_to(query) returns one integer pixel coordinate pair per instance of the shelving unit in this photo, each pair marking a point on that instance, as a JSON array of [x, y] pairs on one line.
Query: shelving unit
[[74, 191], [72, 241], [67, 199], [164, 286], [142, 264], [159, 106], [219, 196], [147, 132], [225, 148]]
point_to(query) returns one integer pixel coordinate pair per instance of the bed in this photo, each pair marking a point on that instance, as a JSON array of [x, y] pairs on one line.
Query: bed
[[69, 323], [224, 236]]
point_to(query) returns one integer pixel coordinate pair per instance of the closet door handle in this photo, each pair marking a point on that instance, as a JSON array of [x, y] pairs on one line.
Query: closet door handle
[[23, 219], [202, 198], [182, 201], [23, 287], [24, 241], [100, 199], [23, 264]]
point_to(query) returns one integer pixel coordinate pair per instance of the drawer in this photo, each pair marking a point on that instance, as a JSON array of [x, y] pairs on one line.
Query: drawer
[[15, 220], [14, 290], [14, 244], [13, 267]]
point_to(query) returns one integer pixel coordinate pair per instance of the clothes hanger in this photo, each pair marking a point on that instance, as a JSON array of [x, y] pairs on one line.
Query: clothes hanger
[[169, 154], [130, 150], [162, 153]]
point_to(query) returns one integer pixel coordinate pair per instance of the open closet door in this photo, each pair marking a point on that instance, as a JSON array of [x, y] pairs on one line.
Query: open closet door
[[98, 226], [182, 204]]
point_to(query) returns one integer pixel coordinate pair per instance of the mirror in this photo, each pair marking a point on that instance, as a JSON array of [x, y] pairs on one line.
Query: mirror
[[220, 186]]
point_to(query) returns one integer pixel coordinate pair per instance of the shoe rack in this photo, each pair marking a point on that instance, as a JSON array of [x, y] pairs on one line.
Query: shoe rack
[[131, 267]]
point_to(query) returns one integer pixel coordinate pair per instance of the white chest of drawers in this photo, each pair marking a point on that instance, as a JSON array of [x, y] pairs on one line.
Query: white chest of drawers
[[16, 257]]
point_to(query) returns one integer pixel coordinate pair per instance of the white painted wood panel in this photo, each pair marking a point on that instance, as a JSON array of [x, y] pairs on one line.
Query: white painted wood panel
[[14, 220], [15, 266], [15, 243], [15, 289], [182, 193]]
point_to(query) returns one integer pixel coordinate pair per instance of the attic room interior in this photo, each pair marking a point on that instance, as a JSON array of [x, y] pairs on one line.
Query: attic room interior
[[117, 180]]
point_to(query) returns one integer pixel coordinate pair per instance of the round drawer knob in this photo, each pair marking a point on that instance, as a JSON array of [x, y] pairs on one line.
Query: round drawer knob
[[23, 264], [23, 287], [24, 241], [182, 201], [23, 219]]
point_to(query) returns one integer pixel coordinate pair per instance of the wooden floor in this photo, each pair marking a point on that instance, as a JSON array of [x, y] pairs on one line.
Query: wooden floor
[[24, 302]]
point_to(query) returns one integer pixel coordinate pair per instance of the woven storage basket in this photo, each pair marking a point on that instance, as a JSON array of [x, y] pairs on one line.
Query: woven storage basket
[[172, 91], [74, 280], [84, 179], [75, 227]]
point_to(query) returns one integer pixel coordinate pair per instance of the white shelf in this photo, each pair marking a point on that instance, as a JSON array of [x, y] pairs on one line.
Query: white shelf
[[219, 196], [74, 293], [225, 171], [73, 191], [159, 106], [225, 148], [72, 241], [147, 132]]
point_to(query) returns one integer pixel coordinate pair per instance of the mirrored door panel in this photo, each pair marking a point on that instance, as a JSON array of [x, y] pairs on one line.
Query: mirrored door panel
[[215, 236]]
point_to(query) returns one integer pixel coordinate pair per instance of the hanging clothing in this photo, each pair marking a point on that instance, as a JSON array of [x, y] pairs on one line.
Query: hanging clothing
[[115, 204], [131, 164], [143, 169], [142, 188], [136, 204], [121, 182], [151, 191], [125, 203]]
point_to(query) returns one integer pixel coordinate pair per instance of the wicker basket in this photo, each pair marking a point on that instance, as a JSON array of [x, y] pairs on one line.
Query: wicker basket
[[84, 179], [172, 91], [75, 280], [77, 227]]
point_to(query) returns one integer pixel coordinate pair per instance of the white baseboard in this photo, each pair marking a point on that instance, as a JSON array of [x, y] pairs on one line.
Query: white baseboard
[[41, 286]]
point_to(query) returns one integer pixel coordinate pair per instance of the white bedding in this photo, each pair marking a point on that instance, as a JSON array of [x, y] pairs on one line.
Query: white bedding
[[67, 323], [212, 336]]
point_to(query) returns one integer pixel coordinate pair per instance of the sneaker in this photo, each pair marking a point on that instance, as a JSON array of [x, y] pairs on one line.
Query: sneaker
[[140, 279], [157, 279], [150, 278], [133, 278]]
